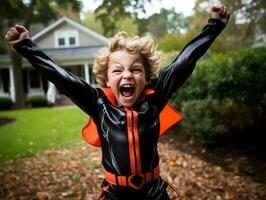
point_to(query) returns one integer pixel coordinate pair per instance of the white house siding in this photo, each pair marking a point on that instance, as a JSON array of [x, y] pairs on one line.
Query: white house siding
[[48, 41]]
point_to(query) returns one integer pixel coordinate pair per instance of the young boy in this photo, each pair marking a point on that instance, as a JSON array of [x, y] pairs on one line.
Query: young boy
[[130, 111]]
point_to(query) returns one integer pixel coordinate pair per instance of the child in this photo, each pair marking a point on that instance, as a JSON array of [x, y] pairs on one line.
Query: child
[[130, 111]]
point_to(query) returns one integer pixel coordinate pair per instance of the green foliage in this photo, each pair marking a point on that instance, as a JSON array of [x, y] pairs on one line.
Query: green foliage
[[40, 129], [5, 103], [157, 25], [110, 11], [34, 11], [174, 41], [246, 25], [198, 120], [166, 21], [210, 122], [91, 22], [238, 75], [242, 76], [124, 24], [227, 95], [37, 101], [127, 24], [169, 42]]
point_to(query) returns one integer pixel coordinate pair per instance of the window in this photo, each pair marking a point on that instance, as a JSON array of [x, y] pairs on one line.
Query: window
[[72, 41], [61, 41], [68, 38]]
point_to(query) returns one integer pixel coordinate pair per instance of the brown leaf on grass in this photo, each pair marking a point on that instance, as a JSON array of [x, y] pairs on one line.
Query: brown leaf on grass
[[43, 196]]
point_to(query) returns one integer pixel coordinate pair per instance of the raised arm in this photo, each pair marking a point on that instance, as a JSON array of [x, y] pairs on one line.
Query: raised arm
[[80, 92], [173, 76]]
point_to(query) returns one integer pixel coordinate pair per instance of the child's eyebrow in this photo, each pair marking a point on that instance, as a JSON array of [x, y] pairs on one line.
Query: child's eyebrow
[[118, 63], [130, 65]]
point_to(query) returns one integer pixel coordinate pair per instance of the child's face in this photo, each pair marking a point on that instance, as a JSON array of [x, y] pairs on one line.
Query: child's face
[[126, 76]]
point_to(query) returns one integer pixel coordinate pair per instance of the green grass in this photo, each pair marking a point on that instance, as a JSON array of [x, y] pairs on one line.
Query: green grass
[[35, 130]]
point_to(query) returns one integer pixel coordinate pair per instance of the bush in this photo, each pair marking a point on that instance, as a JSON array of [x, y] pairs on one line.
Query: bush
[[5, 103], [239, 76], [210, 122], [37, 101], [225, 98]]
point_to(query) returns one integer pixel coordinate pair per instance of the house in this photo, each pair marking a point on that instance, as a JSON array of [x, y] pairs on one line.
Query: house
[[71, 45]]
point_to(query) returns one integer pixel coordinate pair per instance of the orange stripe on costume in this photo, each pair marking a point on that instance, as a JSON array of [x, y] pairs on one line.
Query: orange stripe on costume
[[130, 141], [136, 136]]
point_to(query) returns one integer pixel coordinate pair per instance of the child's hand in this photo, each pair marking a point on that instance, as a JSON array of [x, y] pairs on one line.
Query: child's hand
[[220, 12], [16, 34]]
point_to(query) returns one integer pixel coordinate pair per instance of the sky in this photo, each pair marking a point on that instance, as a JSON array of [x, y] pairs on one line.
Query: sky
[[186, 7]]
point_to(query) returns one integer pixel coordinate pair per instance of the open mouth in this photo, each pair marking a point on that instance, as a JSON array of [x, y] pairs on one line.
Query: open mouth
[[127, 90]]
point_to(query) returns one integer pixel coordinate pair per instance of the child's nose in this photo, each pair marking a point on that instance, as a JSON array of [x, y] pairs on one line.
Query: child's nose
[[127, 74]]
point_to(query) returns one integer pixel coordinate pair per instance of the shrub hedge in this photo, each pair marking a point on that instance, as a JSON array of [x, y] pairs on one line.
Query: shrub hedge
[[5, 103], [37, 101], [225, 97]]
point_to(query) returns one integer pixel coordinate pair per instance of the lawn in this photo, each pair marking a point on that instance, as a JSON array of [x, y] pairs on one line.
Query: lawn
[[35, 130]]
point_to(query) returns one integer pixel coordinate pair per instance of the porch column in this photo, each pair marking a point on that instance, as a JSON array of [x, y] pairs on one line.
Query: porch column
[[87, 73], [12, 84], [51, 92]]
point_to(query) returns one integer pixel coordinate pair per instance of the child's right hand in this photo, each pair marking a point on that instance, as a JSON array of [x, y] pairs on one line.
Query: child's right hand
[[16, 34]]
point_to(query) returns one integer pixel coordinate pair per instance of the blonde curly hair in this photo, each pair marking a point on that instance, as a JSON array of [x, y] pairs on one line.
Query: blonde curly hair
[[144, 45]]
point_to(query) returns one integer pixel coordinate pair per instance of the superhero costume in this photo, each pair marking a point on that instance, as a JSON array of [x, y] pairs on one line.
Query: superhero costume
[[128, 136]]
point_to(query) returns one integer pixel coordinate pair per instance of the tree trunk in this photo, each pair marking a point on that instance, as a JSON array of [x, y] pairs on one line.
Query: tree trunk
[[20, 101]]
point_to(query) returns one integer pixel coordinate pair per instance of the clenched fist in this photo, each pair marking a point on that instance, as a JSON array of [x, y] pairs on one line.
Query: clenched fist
[[220, 12], [16, 34]]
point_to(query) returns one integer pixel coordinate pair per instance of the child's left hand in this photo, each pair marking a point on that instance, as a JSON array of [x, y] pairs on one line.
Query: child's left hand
[[220, 12]]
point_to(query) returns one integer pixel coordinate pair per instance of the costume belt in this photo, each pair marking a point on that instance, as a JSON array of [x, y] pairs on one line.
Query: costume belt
[[136, 180]]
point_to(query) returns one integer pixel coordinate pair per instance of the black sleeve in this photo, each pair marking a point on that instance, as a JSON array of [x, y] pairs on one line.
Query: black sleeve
[[173, 76], [79, 91]]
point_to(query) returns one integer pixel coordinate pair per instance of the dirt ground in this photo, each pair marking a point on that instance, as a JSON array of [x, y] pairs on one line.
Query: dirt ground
[[197, 173]]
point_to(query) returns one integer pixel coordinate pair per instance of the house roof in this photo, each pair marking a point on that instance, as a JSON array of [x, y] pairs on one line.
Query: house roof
[[65, 53], [81, 52], [69, 53], [73, 23]]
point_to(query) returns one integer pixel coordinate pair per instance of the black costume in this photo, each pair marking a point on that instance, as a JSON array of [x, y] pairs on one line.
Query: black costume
[[128, 136]]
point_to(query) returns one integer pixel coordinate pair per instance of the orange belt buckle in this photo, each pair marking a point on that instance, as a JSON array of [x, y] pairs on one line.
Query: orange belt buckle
[[136, 181]]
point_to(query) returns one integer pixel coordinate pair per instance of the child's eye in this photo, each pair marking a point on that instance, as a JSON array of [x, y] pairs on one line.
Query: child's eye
[[117, 71], [137, 70]]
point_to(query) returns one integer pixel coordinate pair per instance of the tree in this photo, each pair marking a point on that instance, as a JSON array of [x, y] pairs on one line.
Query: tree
[[166, 21], [110, 11], [127, 24], [91, 22], [157, 23], [27, 13], [247, 20]]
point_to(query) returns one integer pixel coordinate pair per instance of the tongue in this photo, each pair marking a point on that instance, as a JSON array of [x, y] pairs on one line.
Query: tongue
[[127, 92]]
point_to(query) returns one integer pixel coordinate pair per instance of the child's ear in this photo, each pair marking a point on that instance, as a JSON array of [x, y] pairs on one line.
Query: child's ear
[[107, 83]]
